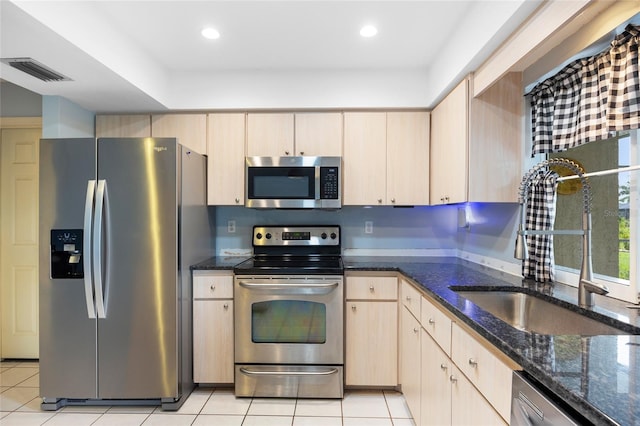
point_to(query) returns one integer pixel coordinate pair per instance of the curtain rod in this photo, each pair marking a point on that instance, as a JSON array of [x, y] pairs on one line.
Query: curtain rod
[[601, 173]]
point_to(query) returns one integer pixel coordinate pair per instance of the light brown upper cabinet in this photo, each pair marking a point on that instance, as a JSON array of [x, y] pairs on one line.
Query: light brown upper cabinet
[[225, 177], [476, 143], [386, 158], [123, 126], [189, 129], [284, 134], [449, 136]]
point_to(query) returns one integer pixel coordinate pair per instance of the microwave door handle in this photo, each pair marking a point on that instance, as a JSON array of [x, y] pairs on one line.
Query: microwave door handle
[[86, 244]]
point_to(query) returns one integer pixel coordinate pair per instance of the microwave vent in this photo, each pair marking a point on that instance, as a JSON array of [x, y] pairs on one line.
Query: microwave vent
[[35, 69]]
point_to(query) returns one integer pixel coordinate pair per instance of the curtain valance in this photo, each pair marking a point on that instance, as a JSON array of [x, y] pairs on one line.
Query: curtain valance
[[589, 99]]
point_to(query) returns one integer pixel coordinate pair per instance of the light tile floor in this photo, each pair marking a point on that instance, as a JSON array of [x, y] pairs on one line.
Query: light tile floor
[[20, 405]]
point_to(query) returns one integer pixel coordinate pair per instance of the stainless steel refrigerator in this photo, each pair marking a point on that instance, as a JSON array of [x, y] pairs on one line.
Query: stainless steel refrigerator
[[121, 221]]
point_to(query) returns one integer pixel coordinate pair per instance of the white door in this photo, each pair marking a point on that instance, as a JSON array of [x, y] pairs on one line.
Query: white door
[[19, 242]]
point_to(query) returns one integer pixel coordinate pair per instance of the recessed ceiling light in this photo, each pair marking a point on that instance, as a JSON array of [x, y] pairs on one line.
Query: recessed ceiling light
[[368, 31], [210, 33]]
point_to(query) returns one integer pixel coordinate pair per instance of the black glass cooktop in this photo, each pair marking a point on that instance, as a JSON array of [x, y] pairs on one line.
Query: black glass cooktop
[[291, 264]]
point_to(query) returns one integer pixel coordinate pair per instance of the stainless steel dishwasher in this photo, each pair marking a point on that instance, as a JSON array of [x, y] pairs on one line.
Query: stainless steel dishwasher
[[531, 406]]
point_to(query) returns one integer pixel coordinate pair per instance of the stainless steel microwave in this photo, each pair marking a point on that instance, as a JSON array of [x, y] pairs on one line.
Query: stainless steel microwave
[[293, 182]]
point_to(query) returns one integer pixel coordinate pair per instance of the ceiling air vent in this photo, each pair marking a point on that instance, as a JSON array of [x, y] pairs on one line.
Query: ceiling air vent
[[35, 69]]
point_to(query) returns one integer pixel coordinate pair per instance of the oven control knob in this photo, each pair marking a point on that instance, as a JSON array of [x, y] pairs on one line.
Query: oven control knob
[[268, 236], [258, 236], [333, 235], [323, 235]]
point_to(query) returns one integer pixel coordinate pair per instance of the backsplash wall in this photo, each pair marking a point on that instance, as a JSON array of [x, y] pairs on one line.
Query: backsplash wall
[[433, 227], [491, 232]]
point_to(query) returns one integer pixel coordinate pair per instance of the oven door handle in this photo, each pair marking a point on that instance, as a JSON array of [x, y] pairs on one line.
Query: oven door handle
[[250, 372], [308, 287]]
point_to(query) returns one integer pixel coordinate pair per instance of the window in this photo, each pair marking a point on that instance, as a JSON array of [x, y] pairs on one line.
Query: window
[[614, 214]]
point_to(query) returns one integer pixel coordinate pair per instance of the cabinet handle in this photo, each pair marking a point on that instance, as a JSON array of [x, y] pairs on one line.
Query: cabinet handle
[[372, 288], [225, 306], [416, 329], [473, 362], [453, 379], [443, 367], [213, 287], [432, 321], [353, 308]]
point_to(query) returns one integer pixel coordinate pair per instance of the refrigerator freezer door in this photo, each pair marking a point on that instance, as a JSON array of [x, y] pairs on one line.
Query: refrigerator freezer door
[[67, 333], [137, 339]]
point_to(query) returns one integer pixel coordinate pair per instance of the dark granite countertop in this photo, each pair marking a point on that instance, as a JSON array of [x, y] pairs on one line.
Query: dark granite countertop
[[598, 376]]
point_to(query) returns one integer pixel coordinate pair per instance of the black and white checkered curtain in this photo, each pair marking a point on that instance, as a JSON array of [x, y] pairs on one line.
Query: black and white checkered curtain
[[541, 215], [589, 99]]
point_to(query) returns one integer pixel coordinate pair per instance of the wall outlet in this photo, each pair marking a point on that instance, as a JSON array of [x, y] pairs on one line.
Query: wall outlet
[[231, 226], [368, 227]]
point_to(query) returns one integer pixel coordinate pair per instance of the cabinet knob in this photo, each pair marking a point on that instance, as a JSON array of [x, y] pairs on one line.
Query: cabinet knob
[[225, 306], [301, 152], [286, 153], [443, 367], [353, 308], [432, 321], [408, 298], [447, 199], [237, 200], [452, 379], [393, 200], [213, 287], [473, 362], [416, 330], [379, 200], [442, 199], [372, 288]]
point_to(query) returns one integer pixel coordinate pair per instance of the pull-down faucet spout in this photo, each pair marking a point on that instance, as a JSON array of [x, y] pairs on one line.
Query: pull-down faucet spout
[[586, 286]]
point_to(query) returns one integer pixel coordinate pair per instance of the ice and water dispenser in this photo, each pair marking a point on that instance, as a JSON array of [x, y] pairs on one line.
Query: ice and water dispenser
[[66, 253]]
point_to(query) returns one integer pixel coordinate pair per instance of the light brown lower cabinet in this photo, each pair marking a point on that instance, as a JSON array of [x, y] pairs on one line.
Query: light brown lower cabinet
[[454, 377]]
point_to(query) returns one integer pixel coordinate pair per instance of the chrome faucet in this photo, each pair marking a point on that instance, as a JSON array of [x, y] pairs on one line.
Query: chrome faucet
[[586, 286]]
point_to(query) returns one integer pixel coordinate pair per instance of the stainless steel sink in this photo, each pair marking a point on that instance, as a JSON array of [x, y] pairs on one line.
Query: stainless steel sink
[[535, 315]]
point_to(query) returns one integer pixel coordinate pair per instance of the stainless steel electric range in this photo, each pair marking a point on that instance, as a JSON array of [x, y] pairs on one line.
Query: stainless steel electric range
[[289, 302]]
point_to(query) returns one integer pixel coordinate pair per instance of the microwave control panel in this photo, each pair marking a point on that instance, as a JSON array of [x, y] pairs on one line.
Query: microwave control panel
[[329, 181]]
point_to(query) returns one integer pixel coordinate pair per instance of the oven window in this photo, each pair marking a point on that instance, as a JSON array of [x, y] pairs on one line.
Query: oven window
[[282, 183], [288, 321]]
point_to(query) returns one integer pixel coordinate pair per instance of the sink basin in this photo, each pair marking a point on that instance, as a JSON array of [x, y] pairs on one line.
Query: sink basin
[[535, 315]]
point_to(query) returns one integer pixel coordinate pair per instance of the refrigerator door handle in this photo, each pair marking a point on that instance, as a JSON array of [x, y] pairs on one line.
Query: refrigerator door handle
[[86, 243], [97, 248]]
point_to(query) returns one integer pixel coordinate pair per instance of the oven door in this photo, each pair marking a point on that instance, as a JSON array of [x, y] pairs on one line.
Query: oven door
[[289, 320]]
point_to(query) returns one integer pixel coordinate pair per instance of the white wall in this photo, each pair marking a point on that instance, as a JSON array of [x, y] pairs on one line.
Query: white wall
[[64, 119]]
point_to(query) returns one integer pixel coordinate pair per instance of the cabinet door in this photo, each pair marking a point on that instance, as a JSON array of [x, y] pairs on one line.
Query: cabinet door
[[435, 386], [269, 134], [495, 142], [226, 162], [189, 129], [364, 159], [408, 158], [449, 137], [410, 362], [213, 341], [437, 324], [371, 344], [469, 407], [318, 134], [123, 126]]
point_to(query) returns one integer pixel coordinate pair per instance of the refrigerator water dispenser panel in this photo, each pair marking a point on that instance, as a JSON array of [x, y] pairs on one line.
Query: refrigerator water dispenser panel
[[66, 253]]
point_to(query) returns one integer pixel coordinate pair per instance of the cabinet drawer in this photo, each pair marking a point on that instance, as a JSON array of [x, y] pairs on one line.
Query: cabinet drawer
[[208, 285], [371, 288], [437, 324], [483, 368], [411, 298]]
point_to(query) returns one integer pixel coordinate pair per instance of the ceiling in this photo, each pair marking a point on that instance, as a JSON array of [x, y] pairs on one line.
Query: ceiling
[[149, 55]]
